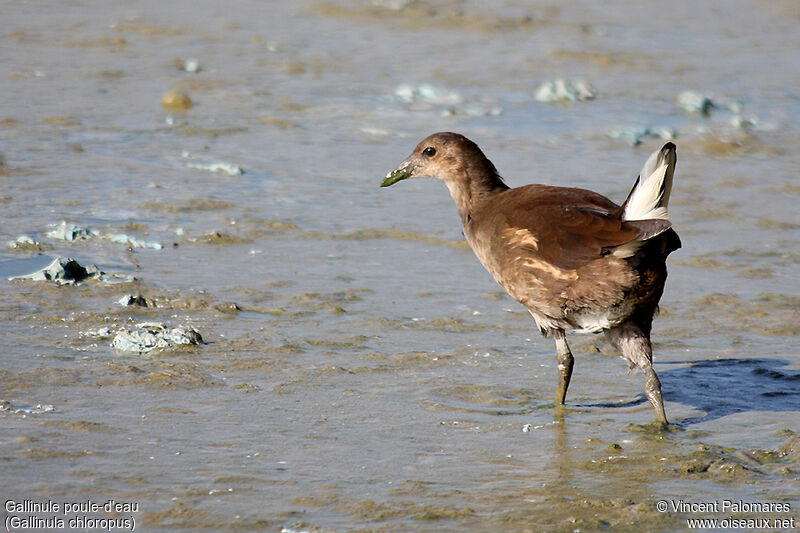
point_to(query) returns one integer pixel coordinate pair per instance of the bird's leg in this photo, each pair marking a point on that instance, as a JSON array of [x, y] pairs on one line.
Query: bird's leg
[[652, 389], [565, 363], [635, 346]]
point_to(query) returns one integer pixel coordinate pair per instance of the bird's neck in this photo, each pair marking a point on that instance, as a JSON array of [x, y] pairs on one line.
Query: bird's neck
[[469, 192]]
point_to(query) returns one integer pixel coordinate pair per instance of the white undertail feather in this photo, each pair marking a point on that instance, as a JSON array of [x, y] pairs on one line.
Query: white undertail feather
[[649, 197]]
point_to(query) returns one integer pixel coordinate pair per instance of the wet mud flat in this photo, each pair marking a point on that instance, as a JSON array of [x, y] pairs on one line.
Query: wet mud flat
[[283, 402], [354, 367]]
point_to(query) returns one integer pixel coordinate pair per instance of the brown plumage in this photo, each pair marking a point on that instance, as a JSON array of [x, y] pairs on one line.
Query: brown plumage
[[574, 258]]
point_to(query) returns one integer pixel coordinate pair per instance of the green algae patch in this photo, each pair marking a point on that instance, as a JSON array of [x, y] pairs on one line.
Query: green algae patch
[[188, 517], [193, 130], [217, 238], [139, 302], [372, 233], [734, 145], [335, 345], [264, 228], [276, 311], [247, 387], [376, 511], [441, 512], [285, 349], [655, 429], [430, 15], [60, 121], [42, 453], [767, 314], [693, 466], [193, 204], [450, 325], [745, 270], [705, 461], [769, 223], [333, 302], [281, 123], [160, 374], [76, 425]]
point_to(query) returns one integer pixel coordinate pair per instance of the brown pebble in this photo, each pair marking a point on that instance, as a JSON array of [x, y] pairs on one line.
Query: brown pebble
[[176, 101]]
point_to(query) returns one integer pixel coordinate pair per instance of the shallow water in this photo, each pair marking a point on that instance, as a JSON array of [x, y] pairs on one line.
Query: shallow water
[[371, 375]]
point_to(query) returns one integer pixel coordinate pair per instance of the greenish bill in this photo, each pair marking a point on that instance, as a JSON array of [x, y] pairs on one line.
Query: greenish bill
[[397, 175]]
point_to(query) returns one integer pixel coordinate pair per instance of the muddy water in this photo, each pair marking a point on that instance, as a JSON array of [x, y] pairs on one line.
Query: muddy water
[[360, 369]]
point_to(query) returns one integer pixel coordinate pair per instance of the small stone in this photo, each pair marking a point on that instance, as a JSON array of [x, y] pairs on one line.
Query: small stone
[[8, 407], [192, 65], [176, 101], [634, 134], [564, 91], [133, 242], [96, 333], [64, 271], [695, 102], [427, 93], [24, 242], [231, 169], [134, 300], [71, 232], [153, 335]]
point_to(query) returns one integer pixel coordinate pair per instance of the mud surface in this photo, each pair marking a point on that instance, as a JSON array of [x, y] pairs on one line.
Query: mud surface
[[358, 369]]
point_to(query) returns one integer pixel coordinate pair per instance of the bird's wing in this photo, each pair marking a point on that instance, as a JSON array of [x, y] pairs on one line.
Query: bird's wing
[[569, 227]]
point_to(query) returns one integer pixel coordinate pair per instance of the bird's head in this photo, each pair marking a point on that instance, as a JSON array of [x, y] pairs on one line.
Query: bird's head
[[442, 156]]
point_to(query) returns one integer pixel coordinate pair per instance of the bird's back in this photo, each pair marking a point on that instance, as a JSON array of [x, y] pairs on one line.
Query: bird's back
[[553, 249]]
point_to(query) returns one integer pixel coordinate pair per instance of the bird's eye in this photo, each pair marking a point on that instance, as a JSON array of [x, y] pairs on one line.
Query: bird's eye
[[430, 151]]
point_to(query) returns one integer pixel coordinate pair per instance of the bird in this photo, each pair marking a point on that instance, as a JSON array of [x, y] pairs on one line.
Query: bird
[[575, 259]]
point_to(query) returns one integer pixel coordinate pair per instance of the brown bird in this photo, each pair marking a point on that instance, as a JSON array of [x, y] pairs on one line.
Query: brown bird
[[574, 258]]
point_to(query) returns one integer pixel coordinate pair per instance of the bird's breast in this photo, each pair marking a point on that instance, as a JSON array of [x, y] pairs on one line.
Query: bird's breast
[[511, 256]]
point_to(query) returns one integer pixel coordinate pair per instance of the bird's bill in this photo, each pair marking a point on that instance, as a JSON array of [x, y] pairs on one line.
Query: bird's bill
[[403, 171]]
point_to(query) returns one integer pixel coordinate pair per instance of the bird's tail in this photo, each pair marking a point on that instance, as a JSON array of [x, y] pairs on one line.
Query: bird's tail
[[650, 194]]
